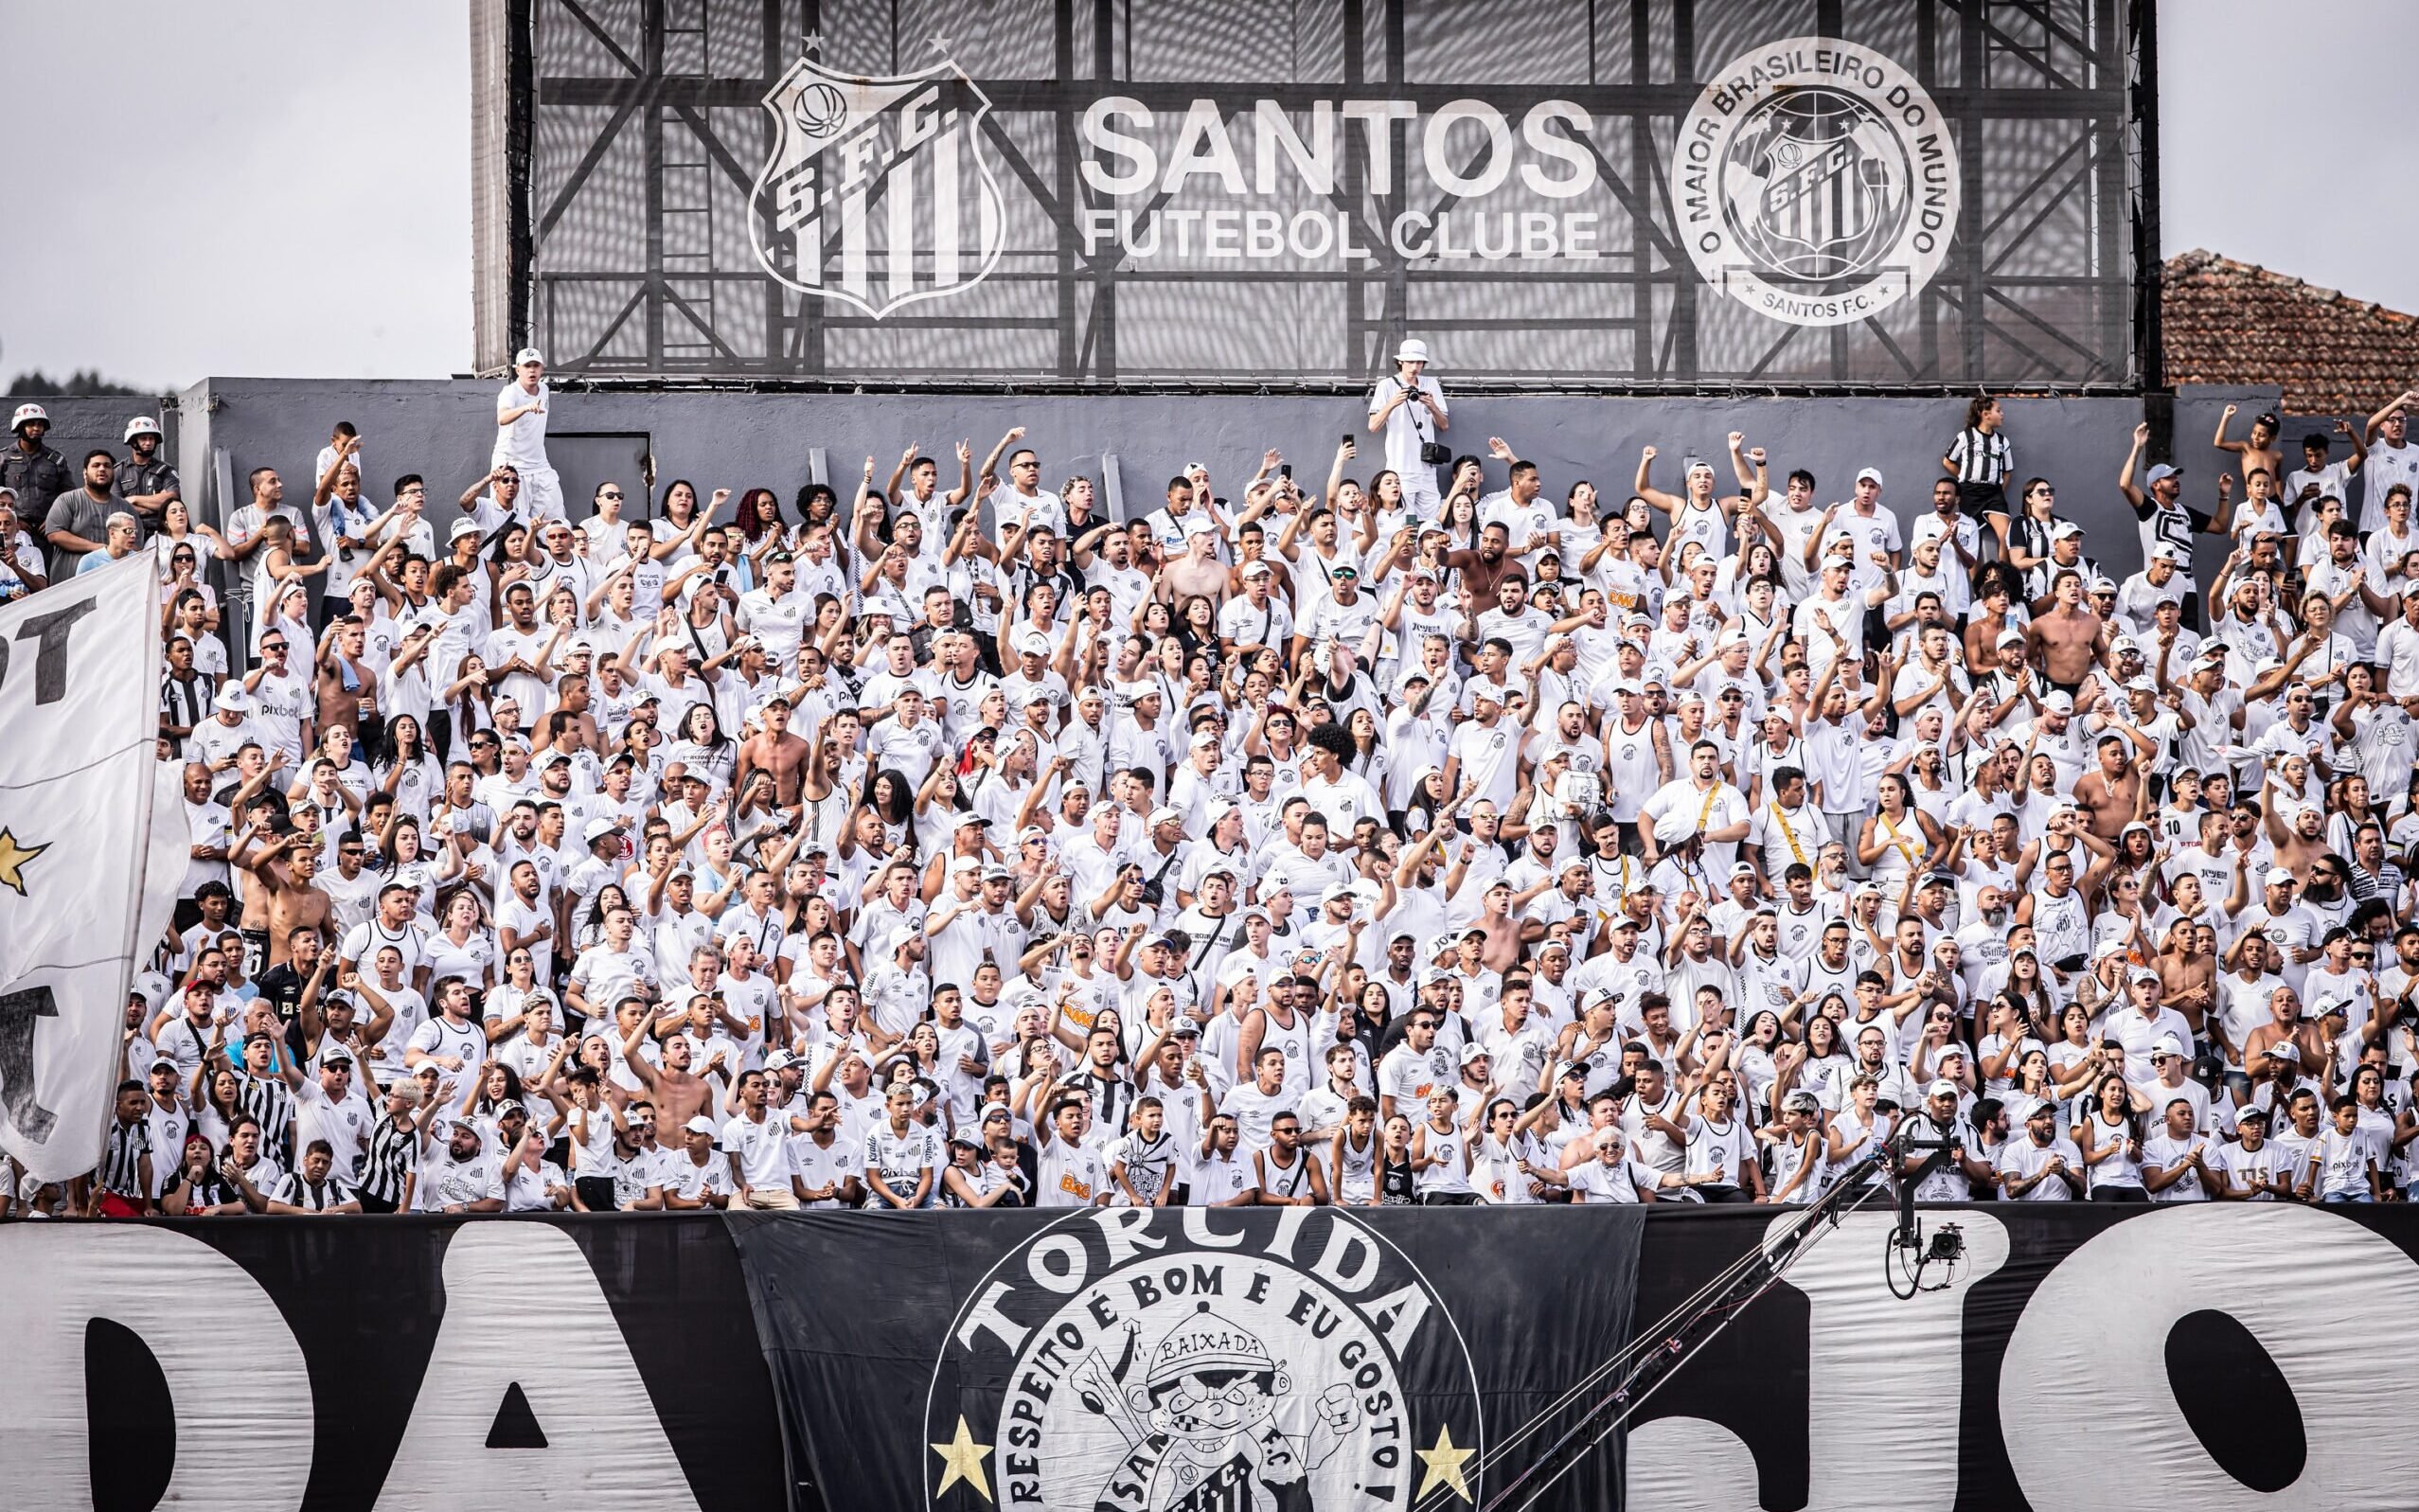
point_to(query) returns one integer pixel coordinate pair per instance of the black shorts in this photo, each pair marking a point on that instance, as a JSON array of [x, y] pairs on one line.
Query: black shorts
[[595, 1193], [372, 1203], [2118, 1194], [1450, 1200], [1978, 499]]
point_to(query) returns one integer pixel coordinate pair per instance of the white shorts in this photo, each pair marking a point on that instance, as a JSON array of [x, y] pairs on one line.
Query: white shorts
[[540, 490]]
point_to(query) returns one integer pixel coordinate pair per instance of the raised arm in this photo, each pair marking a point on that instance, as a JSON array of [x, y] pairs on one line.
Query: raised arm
[[1669, 504]]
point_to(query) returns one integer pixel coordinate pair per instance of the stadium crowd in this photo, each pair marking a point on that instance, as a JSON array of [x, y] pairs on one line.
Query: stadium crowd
[[1417, 829]]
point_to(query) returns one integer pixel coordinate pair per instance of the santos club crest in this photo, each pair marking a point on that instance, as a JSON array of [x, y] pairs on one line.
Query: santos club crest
[[1189, 1359], [1817, 181], [877, 193]]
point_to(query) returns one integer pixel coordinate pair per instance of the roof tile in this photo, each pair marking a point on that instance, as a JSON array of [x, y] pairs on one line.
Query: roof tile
[[2229, 323]]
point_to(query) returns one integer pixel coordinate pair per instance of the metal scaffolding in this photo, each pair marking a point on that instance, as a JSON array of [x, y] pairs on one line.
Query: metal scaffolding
[[643, 133]]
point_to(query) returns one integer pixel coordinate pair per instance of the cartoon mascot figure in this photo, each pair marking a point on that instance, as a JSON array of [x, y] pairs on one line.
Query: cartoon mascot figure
[[1210, 1399]]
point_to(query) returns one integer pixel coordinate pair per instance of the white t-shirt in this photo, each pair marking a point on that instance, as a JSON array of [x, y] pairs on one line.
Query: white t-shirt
[[1594, 1182], [2020, 1159], [523, 443], [1407, 429], [763, 1149], [1070, 1175], [817, 1167]]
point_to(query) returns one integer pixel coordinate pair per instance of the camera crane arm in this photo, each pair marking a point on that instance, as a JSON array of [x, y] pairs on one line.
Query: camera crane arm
[[1646, 1367]]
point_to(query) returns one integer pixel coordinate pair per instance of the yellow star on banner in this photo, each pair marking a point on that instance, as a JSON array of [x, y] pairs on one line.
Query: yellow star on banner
[[13, 859], [1444, 1464], [964, 1458]]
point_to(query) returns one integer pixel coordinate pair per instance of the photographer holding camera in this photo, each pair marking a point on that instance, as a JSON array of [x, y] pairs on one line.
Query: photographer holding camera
[[1408, 409]]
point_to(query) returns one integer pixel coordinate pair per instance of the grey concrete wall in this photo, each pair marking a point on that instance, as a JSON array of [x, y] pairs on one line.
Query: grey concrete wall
[[739, 441]]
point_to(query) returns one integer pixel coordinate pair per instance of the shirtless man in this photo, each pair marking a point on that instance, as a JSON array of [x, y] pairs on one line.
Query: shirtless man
[[1483, 570], [1985, 624], [2187, 967], [348, 689], [776, 752], [2308, 1041], [1198, 571], [679, 1095], [2300, 844], [2110, 796], [283, 896], [2068, 639], [1505, 932]]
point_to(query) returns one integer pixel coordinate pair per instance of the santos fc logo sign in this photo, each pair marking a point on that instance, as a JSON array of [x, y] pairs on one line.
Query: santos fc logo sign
[[878, 194], [1153, 1360], [1815, 180]]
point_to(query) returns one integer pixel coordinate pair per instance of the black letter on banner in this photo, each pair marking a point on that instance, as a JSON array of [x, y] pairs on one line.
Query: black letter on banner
[[50, 657], [18, 1011]]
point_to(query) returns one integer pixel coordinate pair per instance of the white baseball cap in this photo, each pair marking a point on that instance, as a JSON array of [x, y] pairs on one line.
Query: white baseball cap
[[527, 355]]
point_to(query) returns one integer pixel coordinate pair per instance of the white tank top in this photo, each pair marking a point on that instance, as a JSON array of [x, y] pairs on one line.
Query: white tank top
[[1630, 774], [1295, 1039], [1857, 1136], [2059, 927], [1443, 1173], [1788, 1157], [1357, 1171], [2118, 1169], [1703, 524]]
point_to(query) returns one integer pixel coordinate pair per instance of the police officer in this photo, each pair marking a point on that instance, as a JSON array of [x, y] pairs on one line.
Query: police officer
[[38, 472], [146, 481]]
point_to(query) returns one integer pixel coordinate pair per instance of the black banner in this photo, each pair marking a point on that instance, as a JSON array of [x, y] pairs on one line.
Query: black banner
[[2191, 1355], [1899, 194], [352, 1363], [2201, 1356], [1186, 1357]]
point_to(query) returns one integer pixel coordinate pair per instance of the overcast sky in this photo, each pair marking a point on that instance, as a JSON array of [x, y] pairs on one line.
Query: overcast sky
[[275, 188]]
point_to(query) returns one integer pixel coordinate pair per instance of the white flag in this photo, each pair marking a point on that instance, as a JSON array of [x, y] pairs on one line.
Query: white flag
[[85, 887]]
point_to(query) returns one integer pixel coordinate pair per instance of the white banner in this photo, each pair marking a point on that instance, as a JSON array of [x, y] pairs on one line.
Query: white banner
[[85, 887]]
